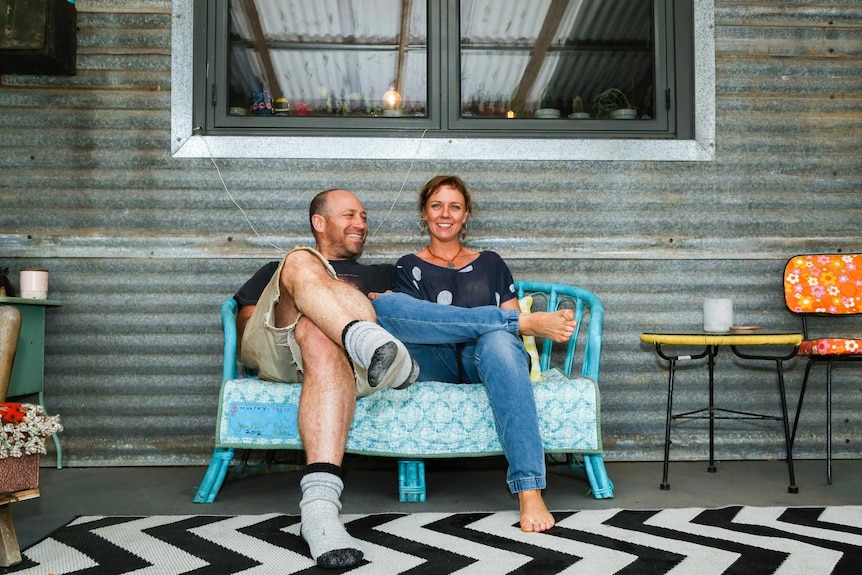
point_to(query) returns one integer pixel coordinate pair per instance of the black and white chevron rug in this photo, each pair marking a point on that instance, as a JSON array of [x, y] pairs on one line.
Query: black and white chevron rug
[[729, 540]]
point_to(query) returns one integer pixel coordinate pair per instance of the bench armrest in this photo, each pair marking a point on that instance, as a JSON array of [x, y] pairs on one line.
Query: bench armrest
[[228, 321]]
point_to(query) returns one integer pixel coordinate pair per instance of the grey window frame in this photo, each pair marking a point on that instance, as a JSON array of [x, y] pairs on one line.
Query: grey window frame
[[188, 141]]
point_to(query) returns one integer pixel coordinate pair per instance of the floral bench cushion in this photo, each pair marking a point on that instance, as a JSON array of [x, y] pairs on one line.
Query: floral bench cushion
[[427, 419]]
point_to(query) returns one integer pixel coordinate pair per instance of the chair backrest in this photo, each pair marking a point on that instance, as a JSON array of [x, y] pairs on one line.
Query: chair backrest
[[824, 284], [588, 308]]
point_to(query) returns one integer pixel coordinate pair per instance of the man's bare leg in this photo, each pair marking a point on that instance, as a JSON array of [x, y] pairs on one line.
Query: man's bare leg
[[329, 304], [328, 395], [326, 409], [346, 316]]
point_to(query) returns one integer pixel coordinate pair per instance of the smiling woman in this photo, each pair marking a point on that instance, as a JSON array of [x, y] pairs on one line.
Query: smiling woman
[[447, 273]]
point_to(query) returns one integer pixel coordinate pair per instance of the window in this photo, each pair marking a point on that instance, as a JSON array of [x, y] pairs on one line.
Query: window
[[481, 77]]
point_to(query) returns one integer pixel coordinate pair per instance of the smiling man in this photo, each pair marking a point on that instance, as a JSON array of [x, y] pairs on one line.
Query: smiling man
[[298, 328]]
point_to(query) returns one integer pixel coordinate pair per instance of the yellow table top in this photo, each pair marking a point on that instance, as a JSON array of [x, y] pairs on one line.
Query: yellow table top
[[704, 338]]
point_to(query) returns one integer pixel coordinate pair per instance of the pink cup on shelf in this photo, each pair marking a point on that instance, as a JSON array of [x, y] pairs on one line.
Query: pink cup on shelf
[[34, 284]]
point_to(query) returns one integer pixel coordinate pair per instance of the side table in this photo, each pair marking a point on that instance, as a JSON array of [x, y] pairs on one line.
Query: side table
[[711, 343], [28, 371]]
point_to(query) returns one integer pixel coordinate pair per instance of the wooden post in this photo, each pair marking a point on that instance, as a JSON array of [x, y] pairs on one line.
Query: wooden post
[[10, 553], [10, 329]]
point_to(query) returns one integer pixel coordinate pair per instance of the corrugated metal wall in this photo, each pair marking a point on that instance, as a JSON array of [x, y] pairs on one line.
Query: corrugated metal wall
[[142, 248]]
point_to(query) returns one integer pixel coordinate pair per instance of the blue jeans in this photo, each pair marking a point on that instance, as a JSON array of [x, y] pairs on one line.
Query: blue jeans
[[476, 345]]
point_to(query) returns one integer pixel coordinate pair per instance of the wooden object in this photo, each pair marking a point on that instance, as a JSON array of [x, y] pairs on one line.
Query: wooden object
[[10, 329], [10, 553], [40, 37]]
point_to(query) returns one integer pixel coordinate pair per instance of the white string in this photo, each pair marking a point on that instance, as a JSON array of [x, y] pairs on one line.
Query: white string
[[267, 242], [242, 211], [404, 183]]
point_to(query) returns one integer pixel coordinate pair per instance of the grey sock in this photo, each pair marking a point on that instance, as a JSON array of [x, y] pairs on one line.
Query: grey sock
[[330, 544], [385, 359]]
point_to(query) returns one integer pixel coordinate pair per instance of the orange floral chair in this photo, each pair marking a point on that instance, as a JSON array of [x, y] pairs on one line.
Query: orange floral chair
[[824, 285]]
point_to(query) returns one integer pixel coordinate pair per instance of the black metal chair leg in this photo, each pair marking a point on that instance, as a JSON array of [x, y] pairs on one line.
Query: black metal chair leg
[[829, 422], [788, 443]]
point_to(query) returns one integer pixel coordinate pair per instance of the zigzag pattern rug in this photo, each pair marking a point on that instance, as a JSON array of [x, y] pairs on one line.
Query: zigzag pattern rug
[[729, 540]]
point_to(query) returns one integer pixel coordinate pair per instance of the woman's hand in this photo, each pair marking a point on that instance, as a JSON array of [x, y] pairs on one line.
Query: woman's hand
[[374, 294]]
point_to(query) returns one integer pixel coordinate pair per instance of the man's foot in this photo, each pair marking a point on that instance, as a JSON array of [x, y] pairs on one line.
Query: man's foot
[[535, 516], [387, 368], [379, 360], [328, 541]]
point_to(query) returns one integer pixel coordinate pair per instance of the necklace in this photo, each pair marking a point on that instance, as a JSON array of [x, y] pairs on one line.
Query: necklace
[[449, 263]]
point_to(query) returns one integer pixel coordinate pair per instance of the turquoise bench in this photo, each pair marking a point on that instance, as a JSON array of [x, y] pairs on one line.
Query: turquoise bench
[[430, 419]]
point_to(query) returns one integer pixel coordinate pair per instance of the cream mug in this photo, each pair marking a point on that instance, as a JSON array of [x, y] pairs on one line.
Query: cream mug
[[717, 315], [34, 284]]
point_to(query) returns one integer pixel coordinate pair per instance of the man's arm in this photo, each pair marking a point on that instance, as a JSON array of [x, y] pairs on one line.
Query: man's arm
[[242, 317]]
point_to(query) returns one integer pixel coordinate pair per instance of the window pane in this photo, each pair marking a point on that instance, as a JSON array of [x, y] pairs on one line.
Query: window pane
[[328, 58], [554, 58]]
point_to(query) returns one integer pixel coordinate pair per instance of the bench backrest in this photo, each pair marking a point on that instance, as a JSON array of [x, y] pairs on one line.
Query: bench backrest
[[547, 296]]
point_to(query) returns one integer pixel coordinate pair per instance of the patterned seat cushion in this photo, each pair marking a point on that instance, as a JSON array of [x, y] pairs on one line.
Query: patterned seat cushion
[[428, 419], [830, 346]]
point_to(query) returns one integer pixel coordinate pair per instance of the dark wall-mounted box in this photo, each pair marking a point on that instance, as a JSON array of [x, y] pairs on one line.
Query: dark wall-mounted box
[[38, 37]]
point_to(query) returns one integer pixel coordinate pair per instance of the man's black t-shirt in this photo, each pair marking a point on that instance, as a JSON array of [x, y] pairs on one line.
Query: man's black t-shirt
[[366, 278]]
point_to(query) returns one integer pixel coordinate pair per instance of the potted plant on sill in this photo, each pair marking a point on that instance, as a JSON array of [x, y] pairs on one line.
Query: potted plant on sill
[[578, 112], [23, 430], [614, 104]]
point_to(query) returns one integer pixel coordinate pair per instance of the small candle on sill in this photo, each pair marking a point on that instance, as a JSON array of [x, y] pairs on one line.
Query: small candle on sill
[[391, 103], [510, 113]]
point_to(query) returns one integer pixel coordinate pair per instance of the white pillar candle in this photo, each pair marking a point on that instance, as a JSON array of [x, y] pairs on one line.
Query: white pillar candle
[[717, 315]]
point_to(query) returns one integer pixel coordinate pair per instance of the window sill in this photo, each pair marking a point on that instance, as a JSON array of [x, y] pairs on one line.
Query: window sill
[[441, 148]]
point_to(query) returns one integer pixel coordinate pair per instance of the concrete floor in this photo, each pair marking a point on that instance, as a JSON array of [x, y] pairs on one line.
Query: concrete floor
[[70, 492]]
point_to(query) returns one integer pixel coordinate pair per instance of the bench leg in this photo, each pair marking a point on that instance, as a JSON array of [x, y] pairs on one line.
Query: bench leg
[[411, 480], [600, 483], [215, 475]]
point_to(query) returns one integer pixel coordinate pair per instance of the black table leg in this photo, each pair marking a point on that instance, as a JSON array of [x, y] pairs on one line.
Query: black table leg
[[664, 484], [789, 435], [713, 350], [672, 359]]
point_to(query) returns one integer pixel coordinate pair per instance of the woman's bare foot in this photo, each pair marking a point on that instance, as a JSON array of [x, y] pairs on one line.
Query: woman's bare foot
[[535, 517], [558, 326]]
